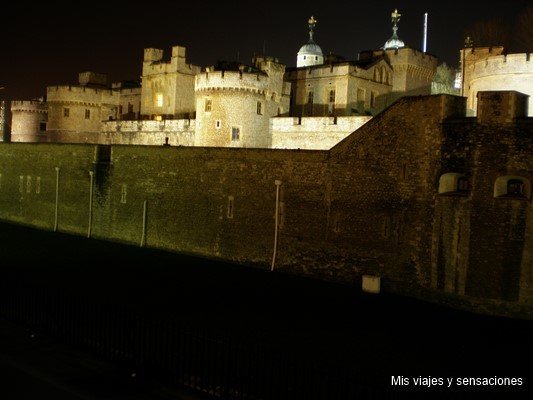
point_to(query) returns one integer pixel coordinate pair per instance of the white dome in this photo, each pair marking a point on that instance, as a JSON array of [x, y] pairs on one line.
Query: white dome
[[394, 43], [310, 53], [311, 49]]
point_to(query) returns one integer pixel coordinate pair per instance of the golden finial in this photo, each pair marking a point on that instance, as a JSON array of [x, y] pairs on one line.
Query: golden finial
[[396, 16], [312, 21]]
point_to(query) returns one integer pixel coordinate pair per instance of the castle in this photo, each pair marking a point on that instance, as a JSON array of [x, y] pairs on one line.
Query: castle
[[312, 106], [425, 192]]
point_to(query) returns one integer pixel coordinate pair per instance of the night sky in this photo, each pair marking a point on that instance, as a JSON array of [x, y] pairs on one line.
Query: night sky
[[49, 43]]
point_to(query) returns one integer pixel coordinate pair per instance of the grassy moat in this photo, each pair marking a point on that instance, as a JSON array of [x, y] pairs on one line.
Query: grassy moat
[[235, 332]]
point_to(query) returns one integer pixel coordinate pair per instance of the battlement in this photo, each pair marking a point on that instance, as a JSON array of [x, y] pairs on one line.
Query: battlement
[[29, 106], [500, 107], [154, 64], [81, 94], [92, 78], [502, 64], [478, 53], [232, 80]]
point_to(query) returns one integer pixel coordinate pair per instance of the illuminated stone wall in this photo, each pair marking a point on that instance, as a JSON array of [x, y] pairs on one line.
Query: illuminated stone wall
[[80, 109], [370, 205], [167, 87], [28, 121], [313, 133], [502, 72], [235, 100], [346, 80]]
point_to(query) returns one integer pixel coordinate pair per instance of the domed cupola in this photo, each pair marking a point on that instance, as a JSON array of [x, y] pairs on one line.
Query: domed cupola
[[394, 42], [310, 53]]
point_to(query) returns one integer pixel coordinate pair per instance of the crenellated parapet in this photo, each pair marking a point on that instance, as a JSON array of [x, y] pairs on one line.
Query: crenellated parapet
[[30, 106], [503, 64], [258, 83], [502, 73]]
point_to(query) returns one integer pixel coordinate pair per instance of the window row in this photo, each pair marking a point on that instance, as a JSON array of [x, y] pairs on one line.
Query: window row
[[66, 113], [454, 183], [208, 106]]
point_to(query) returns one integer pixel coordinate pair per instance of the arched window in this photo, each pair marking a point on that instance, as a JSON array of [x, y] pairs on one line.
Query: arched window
[[453, 183], [515, 187]]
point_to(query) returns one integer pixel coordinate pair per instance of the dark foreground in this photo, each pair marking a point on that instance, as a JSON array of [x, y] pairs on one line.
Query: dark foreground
[[232, 332]]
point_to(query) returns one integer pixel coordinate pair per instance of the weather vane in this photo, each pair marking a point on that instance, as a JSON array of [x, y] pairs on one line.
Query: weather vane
[[312, 23], [396, 16]]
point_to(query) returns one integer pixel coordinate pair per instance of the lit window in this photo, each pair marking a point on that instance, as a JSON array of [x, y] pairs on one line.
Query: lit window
[[259, 106], [38, 185], [28, 184], [158, 118], [87, 114], [208, 105], [235, 133], [21, 184], [66, 112], [159, 99]]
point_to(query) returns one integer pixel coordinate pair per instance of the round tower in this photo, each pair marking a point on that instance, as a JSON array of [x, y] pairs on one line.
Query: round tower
[[310, 53], [232, 107], [28, 121]]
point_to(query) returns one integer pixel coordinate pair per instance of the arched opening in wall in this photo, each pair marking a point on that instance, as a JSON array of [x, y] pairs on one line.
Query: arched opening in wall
[[453, 183], [513, 187]]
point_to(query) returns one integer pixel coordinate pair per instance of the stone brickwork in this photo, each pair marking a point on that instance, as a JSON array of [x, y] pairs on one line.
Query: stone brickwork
[[501, 72], [28, 121], [168, 87], [372, 205], [234, 108], [340, 89], [173, 132], [313, 133]]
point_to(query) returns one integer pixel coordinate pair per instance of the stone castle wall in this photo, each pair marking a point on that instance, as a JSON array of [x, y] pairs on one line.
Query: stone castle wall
[[168, 86], [78, 109], [370, 205], [313, 133], [28, 121], [227, 101], [502, 72]]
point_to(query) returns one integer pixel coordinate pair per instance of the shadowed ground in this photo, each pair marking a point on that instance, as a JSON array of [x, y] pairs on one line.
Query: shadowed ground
[[334, 326]]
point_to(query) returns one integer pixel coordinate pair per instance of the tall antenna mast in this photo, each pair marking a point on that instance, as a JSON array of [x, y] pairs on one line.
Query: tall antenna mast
[[425, 43]]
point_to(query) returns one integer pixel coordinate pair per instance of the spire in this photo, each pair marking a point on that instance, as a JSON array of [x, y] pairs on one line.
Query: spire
[[394, 41], [312, 23]]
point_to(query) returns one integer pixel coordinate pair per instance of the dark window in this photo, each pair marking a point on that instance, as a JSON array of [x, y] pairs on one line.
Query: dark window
[[87, 114], [515, 187], [208, 106], [66, 112], [259, 106], [462, 184], [42, 126], [130, 108], [332, 96], [310, 96], [235, 133]]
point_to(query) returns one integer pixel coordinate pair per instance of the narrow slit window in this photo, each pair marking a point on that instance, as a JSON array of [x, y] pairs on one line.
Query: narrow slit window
[[28, 184], [38, 185], [21, 184], [123, 194], [230, 207]]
